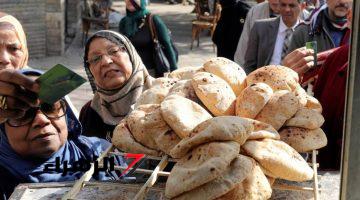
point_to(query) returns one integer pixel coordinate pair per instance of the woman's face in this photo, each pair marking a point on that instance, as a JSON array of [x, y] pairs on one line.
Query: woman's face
[[109, 63], [41, 138], [129, 6], [11, 53]]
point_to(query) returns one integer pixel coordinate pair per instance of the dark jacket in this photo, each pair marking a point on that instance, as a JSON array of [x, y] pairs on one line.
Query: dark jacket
[[144, 45], [229, 27], [92, 123], [319, 32]]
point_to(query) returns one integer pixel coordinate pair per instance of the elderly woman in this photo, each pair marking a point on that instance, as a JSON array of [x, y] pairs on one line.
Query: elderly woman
[[118, 77], [14, 55], [42, 135]]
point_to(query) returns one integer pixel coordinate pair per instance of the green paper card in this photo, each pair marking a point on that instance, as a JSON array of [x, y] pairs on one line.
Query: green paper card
[[58, 82], [313, 45]]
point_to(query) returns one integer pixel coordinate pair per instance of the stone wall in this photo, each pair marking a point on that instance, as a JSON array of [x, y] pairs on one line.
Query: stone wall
[[44, 23]]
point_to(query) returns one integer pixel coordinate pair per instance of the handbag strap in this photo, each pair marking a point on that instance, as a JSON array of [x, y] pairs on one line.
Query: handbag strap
[[152, 28]]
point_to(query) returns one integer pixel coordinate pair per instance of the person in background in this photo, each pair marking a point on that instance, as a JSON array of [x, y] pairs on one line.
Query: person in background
[[327, 26], [135, 26], [119, 76], [263, 47], [233, 14], [38, 138], [13, 56], [330, 90], [264, 10]]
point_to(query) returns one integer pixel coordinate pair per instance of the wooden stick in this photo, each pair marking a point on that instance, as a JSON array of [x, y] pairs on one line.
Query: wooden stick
[[291, 187], [147, 156], [152, 179], [144, 171], [79, 184], [316, 186]]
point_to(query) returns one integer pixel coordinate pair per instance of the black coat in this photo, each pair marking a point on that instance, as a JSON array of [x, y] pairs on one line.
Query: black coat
[[229, 27]]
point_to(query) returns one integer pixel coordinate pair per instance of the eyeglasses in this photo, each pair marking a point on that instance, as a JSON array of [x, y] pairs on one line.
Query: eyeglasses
[[114, 51], [54, 111]]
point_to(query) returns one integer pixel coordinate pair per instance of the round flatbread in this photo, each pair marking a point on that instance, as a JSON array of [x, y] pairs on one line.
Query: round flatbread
[[313, 103], [239, 169], [280, 159], [154, 95], [228, 70], [262, 130], [123, 139], [185, 72], [252, 100], [256, 186], [276, 76], [214, 93], [146, 123], [301, 94], [303, 140], [203, 164], [224, 128], [281, 107], [185, 89], [182, 114], [167, 141], [306, 118], [163, 82]]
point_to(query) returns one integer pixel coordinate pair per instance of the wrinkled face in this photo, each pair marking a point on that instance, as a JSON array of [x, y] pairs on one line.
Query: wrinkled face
[[11, 54], [129, 6], [40, 138], [339, 8], [109, 63], [274, 6], [290, 11]]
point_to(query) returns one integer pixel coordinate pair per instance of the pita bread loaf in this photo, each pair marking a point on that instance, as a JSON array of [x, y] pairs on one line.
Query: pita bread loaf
[[154, 95], [146, 123], [123, 140], [167, 141], [303, 140], [163, 82], [185, 72], [185, 89], [306, 118], [313, 103], [301, 94], [214, 93], [224, 128], [279, 159], [276, 76], [235, 173], [281, 107], [203, 164], [252, 100], [182, 114], [255, 186], [228, 70], [262, 130]]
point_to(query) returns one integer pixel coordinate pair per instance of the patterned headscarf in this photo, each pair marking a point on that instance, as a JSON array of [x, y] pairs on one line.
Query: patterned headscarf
[[114, 105], [16, 25]]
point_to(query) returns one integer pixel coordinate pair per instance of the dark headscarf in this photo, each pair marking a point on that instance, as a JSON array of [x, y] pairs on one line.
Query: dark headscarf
[[114, 105], [77, 147], [129, 25]]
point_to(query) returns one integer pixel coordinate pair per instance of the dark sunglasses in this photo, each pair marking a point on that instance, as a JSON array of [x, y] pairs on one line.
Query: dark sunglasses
[[54, 111]]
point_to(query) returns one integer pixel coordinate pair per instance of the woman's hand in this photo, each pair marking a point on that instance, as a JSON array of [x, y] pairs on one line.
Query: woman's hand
[[300, 60], [20, 92]]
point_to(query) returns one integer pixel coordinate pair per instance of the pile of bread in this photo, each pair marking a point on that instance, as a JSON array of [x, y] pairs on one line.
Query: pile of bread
[[232, 134]]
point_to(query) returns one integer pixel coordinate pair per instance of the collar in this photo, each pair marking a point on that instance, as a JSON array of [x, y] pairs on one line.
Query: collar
[[283, 27]]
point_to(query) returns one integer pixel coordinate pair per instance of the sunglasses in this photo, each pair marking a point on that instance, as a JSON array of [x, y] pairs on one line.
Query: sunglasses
[[54, 111]]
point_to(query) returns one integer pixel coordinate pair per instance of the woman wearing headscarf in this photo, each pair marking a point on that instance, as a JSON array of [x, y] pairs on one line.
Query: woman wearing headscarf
[[31, 147], [14, 100], [135, 26], [118, 78]]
